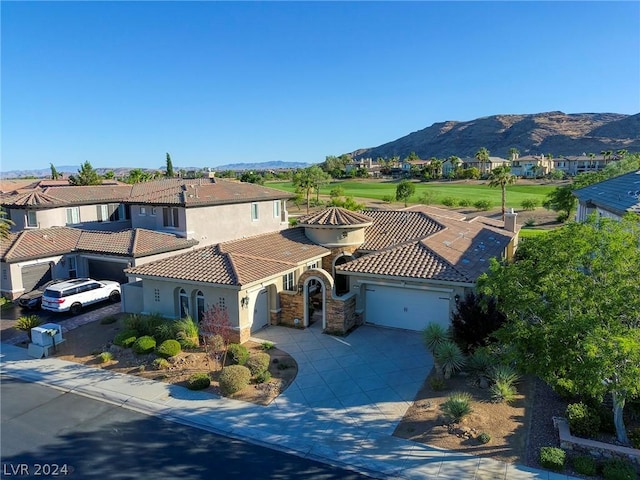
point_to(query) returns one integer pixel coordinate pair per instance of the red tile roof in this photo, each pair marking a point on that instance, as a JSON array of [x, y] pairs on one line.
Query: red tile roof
[[394, 227], [335, 216]]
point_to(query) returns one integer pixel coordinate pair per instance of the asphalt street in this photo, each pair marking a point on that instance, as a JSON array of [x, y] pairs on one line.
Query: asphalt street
[[49, 433]]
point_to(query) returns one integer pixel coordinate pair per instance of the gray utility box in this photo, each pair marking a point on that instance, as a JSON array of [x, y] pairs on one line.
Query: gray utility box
[[41, 337]]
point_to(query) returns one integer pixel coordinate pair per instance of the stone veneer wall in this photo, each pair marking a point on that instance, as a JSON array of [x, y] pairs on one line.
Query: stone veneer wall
[[341, 315], [592, 447], [291, 307], [327, 262]]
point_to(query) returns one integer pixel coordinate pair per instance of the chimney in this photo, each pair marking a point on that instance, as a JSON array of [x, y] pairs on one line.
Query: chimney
[[510, 221]]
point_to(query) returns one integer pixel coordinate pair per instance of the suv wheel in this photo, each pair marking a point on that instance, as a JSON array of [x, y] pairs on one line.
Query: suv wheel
[[114, 296], [75, 309]]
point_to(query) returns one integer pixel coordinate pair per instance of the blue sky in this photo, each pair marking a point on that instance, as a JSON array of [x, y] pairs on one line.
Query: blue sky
[[122, 83]]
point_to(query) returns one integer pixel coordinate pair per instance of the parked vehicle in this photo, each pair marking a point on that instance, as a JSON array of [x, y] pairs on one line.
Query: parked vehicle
[[33, 299], [72, 295]]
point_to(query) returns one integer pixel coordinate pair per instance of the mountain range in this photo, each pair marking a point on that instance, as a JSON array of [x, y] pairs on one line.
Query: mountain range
[[557, 133]]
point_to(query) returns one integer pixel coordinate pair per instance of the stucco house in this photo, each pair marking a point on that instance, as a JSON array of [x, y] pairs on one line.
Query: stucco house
[[397, 268], [612, 198]]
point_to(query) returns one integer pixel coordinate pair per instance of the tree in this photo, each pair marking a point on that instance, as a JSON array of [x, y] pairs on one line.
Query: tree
[[5, 225], [306, 180], [252, 177], [404, 191], [501, 177], [169, 173], [137, 175], [110, 175], [336, 166], [217, 333], [86, 176], [482, 156], [54, 173], [573, 309]]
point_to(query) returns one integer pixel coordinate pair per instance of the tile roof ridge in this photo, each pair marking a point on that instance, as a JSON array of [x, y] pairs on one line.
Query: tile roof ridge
[[257, 257], [16, 240], [229, 257], [133, 244], [444, 260]]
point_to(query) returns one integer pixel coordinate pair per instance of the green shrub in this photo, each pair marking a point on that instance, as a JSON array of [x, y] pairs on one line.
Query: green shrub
[[144, 325], [267, 345], [198, 381], [187, 332], [529, 203], [530, 222], [258, 363], [465, 202], [457, 406], [616, 469], [426, 198], [449, 201], [584, 465], [502, 391], [480, 363], [238, 353], [145, 344], [583, 420], [27, 323], [160, 363], [437, 383], [164, 331], [482, 205], [552, 458], [169, 348], [234, 378], [263, 377], [484, 438], [606, 419], [634, 437], [387, 198], [450, 358], [108, 320], [505, 374], [105, 357], [126, 338]]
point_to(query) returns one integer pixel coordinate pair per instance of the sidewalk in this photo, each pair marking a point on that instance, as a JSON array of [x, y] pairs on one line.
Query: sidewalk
[[322, 435]]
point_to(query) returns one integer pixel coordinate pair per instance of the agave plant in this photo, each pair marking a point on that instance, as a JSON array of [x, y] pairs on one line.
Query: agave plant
[[434, 335], [450, 358], [504, 374], [26, 323], [457, 406]]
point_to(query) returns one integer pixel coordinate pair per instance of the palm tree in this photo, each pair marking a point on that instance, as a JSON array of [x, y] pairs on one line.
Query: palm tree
[[5, 225], [621, 153], [482, 156], [501, 177]]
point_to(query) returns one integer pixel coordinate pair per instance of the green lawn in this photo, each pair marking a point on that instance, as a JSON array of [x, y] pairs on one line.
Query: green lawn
[[470, 192], [532, 232]]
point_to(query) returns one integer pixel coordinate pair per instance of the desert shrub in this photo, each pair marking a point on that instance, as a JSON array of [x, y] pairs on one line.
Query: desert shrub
[[187, 332], [457, 406], [584, 465], [258, 363], [583, 420], [160, 363], [484, 438], [502, 391], [125, 338], [144, 344], [169, 348], [267, 345], [482, 204], [465, 202], [387, 198], [552, 458], [563, 217], [529, 204], [480, 362], [449, 357], [449, 201], [505, 374], [164, 331], [530, 222], [634, 437], [437, 383], [144, 325], [426, 198], [616, 469], [475, 320], [239, 353], [108, 320], [198, 381], [263, 377], [28, 322], [234, 378], [105, 357], [433, 335]]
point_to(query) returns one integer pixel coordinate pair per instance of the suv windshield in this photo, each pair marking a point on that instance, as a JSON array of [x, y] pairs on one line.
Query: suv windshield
[[52, 293]]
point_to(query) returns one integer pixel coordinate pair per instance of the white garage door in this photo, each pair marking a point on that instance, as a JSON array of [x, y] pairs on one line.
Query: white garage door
[[259, 305], [405, 308]]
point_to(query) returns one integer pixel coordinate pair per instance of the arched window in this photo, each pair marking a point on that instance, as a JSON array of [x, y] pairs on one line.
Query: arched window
[[184, 303], [199, 305]]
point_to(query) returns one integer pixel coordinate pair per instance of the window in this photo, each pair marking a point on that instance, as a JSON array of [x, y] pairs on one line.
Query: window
[[170, 217], [73, 215], [288, 282], [154, 210], [254, 211], [184, 303], [143, 211], [32, 219], [313, 265], [156, 294], [276, 209], [112, 212], [199, 305], [73, 267]]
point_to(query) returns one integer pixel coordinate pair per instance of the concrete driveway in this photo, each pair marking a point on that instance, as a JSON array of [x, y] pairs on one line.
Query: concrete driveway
[[357, 385]]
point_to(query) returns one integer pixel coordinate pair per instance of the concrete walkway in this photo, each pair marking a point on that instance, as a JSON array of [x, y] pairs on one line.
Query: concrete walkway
[[349, 395]]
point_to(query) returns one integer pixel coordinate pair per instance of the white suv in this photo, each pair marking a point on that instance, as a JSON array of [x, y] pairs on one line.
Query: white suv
[[72, 295]]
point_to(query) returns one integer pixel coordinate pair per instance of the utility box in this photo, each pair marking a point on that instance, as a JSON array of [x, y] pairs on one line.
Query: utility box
[[40, 335]]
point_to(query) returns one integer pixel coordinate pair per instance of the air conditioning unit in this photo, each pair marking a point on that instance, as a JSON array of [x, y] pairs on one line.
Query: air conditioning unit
[[40, 335]]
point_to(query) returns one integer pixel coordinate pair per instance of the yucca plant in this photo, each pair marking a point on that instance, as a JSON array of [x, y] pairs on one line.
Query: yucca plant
[[27, 323], [457, 406], [504, 374], [450, 358], [187, 332], [502, 391], [434, 335]]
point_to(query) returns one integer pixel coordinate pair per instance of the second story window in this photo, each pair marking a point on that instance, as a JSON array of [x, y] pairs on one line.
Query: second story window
[[32, 219], [288, 282], [143, 210], [170, 217], [112, 212], [254, 211], [276, 209], [73, 215]]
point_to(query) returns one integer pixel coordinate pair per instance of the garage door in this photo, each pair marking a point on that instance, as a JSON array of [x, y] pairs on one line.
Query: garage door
[[35, 275], [105, 270], [260, 310], [405, 308]]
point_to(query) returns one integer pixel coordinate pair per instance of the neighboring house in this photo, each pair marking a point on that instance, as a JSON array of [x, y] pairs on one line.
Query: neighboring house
[[610, 198], [531, 166], [573, 165], [484, 167], [401, 269], [33, 257], [369, 164]]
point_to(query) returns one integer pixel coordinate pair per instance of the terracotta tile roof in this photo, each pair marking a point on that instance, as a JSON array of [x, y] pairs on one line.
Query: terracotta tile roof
[[62, 196], [238, 262], [436, 212], [335, 216], [40, 243], [393, 227]]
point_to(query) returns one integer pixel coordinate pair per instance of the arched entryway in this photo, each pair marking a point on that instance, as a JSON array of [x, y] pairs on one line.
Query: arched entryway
[[316, 286]]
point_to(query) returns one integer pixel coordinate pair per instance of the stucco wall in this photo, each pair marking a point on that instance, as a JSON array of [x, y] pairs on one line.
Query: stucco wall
[[12, 287], [336, 236], [57, 217]]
